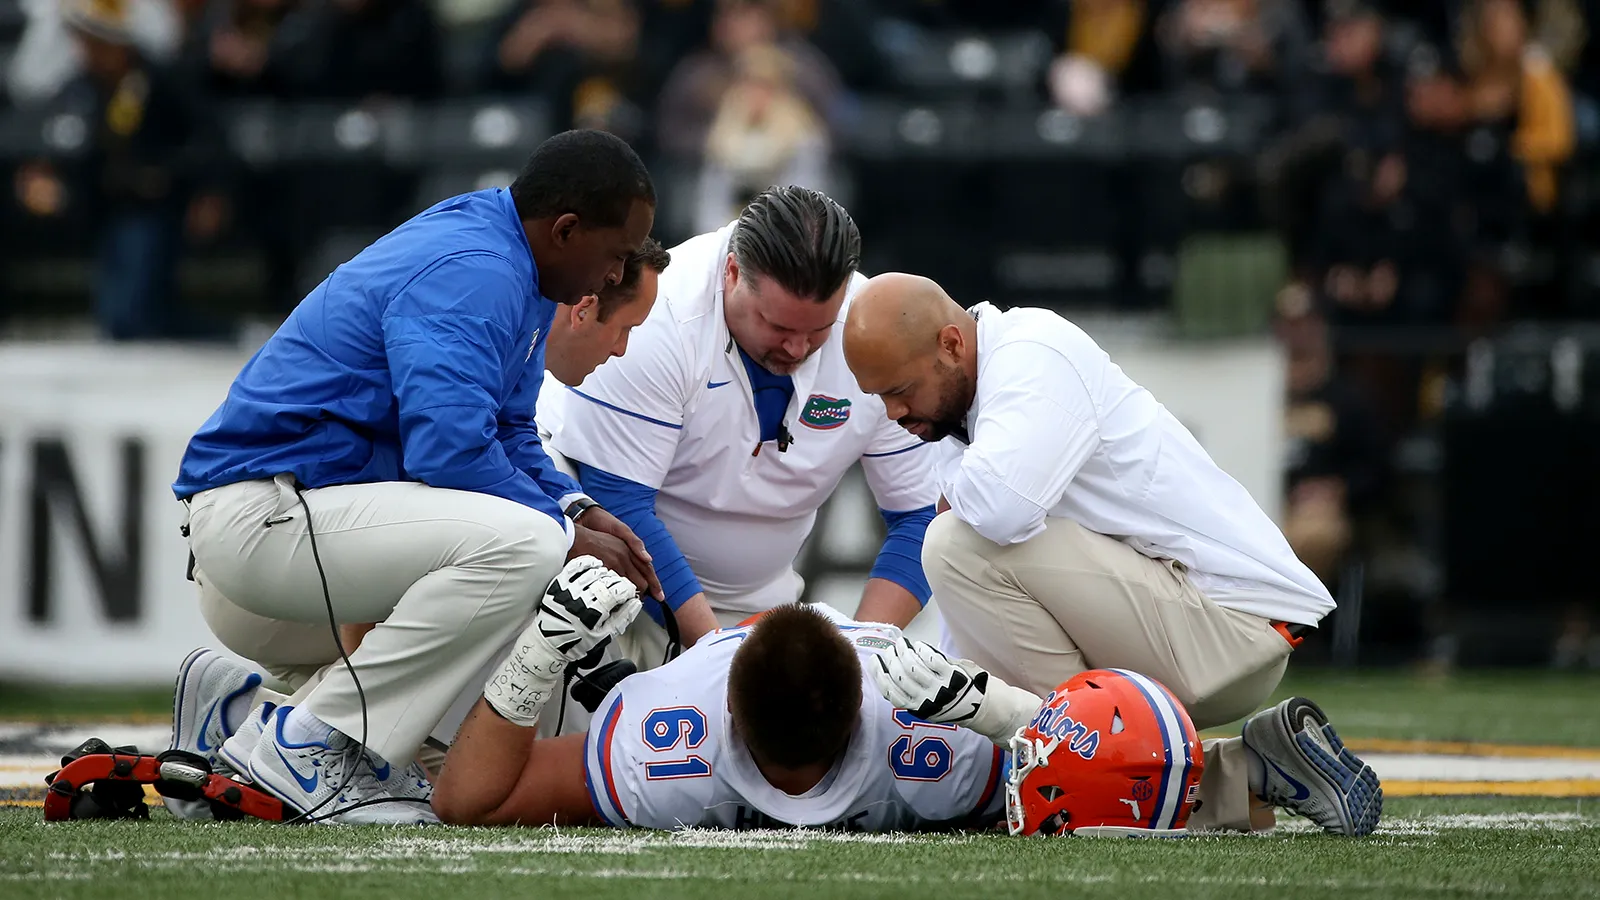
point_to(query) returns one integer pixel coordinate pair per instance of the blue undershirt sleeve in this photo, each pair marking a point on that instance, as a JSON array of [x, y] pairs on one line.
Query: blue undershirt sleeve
[[635, 505], [900, 559]]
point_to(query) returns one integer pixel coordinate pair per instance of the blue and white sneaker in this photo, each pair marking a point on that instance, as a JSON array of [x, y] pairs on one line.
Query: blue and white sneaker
[[335, 779], [1309, 772], [237, 749], [410, 783], [208, 685]]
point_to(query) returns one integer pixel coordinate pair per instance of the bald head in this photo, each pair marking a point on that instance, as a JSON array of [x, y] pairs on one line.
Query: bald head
[[896, 318], [908, 342]]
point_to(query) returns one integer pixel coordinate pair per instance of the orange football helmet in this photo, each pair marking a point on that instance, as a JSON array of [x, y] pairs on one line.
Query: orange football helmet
[[1109, 752]]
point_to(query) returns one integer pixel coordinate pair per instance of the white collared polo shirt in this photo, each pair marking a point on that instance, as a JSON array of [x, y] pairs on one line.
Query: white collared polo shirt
[[676, 413]]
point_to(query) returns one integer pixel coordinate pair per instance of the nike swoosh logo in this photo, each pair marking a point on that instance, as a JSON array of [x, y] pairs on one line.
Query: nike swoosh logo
[[200, 741], [713, 385], [306, 784], [1301, 791]]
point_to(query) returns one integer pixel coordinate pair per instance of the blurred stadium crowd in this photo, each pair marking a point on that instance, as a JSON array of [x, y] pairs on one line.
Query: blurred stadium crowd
[[1382, 183]]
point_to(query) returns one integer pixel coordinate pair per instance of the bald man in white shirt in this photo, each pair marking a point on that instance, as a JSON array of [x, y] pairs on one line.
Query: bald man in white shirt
[[1082, 526]]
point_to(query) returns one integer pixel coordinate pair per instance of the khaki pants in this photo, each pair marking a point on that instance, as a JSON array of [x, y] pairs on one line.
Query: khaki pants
[[1068, 600], [292, 653], [450, 576]]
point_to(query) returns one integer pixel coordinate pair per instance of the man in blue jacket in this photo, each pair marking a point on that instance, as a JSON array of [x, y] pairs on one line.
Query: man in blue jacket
[[377, 461]]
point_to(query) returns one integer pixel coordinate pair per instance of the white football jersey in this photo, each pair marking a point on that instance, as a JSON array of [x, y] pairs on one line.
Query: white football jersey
[[676, 413], [659, 755]]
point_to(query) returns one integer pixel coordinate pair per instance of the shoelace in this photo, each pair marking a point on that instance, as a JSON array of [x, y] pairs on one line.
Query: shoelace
[[363, 784]]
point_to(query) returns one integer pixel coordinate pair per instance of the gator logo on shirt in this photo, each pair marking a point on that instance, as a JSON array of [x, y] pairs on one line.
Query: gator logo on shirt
[[876, 643], [825, 413]]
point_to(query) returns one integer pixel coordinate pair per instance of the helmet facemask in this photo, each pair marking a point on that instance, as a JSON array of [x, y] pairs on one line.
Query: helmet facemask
[[1028, 754]]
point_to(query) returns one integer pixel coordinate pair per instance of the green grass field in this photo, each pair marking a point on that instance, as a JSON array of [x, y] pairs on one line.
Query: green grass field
[[33, 703], [1428, 846]]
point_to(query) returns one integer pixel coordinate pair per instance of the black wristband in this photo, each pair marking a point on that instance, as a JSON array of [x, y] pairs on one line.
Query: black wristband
[[578, 507]]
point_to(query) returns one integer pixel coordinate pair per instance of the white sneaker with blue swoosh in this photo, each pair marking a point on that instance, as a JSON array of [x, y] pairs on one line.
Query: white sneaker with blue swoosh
[[308, 776], [237, 749], [1308, 770], [209, 684], [410, 783]]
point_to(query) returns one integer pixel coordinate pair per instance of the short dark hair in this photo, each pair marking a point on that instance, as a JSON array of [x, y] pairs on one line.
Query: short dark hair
[[799, 238], [591, 173], [794, 688], [614, 296]]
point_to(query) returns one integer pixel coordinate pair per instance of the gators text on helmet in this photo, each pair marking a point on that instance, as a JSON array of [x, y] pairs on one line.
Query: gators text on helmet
[[1109, 752]]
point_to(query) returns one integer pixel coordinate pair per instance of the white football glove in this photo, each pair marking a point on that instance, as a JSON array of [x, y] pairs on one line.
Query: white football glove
[[586, 605], [916, 677]]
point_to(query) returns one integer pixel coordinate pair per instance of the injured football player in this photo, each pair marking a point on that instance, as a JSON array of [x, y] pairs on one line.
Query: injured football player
[[768, 725]]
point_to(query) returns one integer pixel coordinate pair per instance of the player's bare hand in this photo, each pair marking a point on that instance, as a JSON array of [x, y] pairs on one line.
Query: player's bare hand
[[597, 519], [613, 553]]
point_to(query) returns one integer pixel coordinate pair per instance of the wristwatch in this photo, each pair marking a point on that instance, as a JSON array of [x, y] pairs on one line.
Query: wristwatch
[[578, 507]]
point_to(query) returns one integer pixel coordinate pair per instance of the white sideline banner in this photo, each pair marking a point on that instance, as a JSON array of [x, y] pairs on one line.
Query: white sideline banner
[[92, 587]]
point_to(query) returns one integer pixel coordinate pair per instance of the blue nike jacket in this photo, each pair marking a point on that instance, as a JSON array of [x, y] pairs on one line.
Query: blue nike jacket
[[418, 360]]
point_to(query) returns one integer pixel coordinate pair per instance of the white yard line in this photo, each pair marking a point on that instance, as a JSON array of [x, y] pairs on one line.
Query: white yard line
[[1440, 767]]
